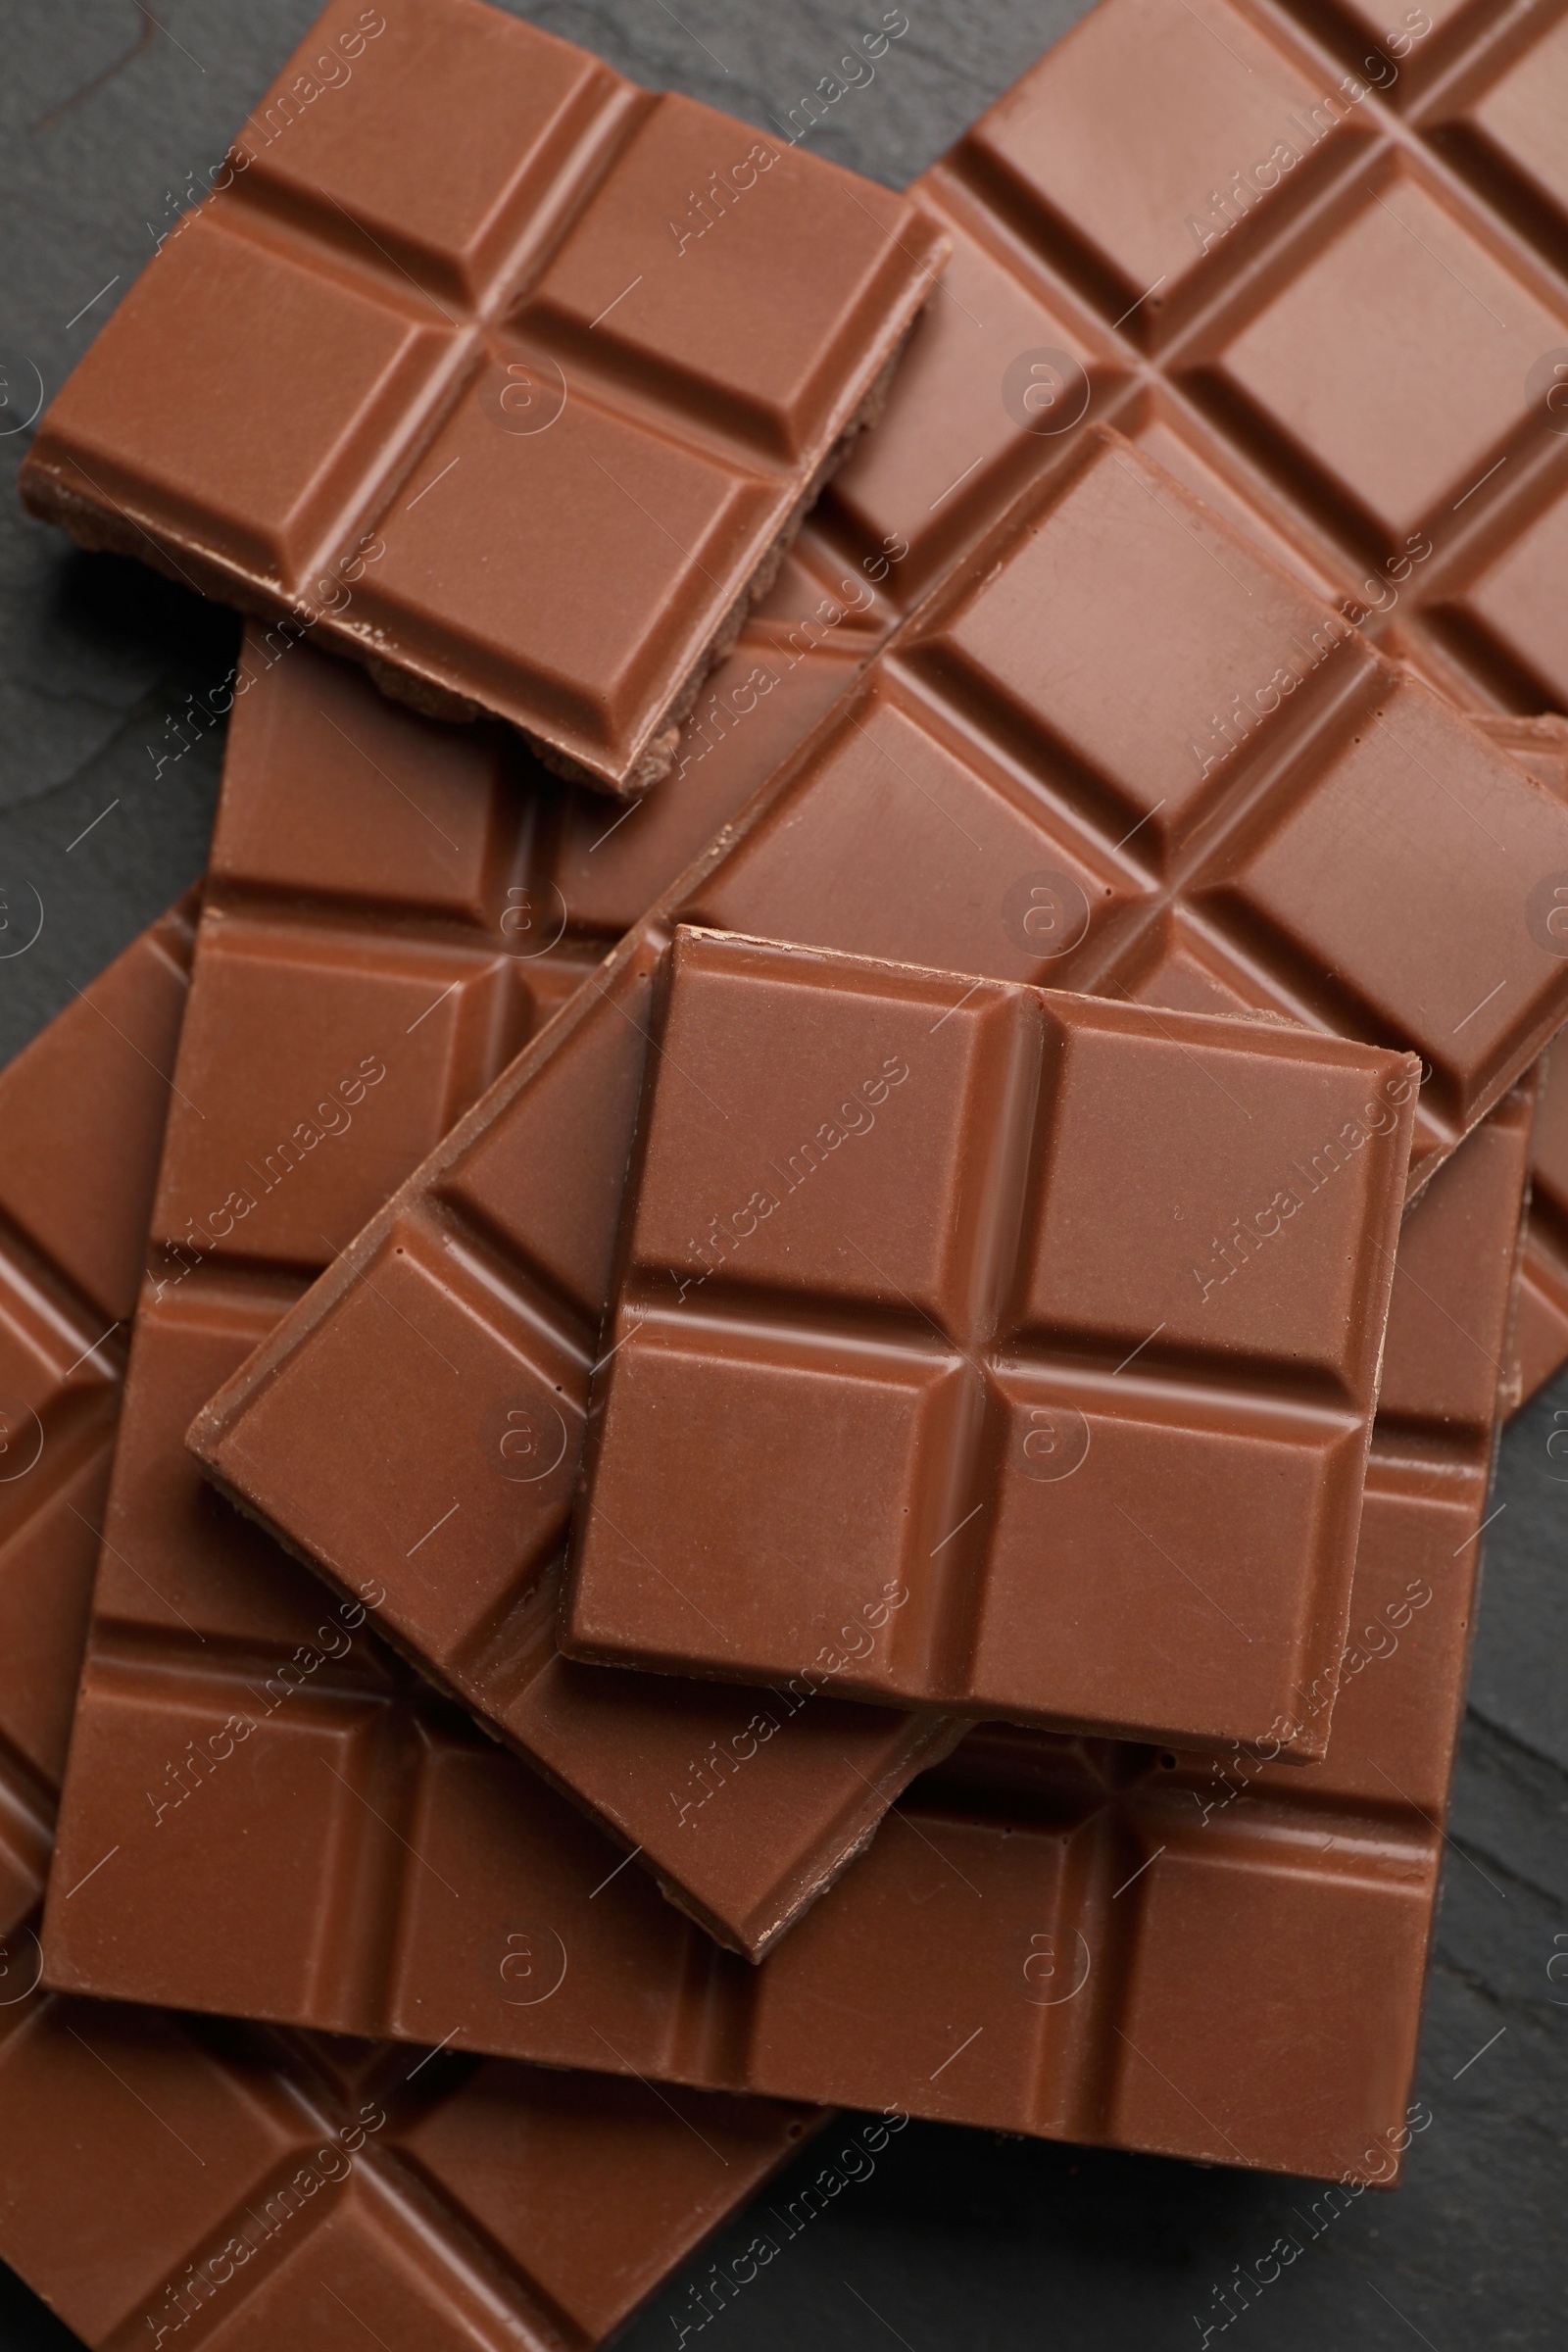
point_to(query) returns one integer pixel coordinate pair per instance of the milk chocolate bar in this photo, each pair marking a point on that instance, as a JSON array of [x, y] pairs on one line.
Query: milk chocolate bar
[[502, 376], [160, 2173], [391, 909], [1344, 865], [82, 1117], [1029, 1944], [1540, 1335], [957, 1380], [1254, 236]]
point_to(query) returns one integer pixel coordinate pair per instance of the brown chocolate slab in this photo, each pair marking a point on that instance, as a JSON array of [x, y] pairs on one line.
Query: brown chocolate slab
[[1029, 1944], [393, 907], [509, 380], [158, 2172], [1254, 237], [1541, 1325], [968, 805], [928, 1373]]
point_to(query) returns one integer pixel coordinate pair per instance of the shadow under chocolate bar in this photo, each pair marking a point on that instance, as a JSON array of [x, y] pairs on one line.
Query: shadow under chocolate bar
[[930, 819], [437, 373], [1031, 1941], [391, 909], [157, 2170]]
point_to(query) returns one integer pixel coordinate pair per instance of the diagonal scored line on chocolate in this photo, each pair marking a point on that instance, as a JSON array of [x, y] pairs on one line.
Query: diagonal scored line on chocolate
[[410, 415], [219, 2173]]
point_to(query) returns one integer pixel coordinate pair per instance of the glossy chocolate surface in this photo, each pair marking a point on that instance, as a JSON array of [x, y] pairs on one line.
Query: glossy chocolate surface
[[966, 805], [930, 1376], [508, 379], [1541, 1334], [392, 909], [157, 2172], [1030, 1942]]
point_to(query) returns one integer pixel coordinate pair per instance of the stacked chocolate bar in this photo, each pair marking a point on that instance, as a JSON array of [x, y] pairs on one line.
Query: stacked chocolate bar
[[764, 1369]]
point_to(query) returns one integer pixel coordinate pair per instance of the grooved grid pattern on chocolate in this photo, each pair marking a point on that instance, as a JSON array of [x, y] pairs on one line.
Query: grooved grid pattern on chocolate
[[906, 829], [907, 1370], [436, 2200], [944, 1973], [1541, 745], [1288, 371], [382, 359], [378, 935], [71, 1245]]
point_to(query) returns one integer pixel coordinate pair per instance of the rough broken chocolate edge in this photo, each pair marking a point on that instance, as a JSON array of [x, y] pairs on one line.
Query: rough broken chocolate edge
[[45, 496]]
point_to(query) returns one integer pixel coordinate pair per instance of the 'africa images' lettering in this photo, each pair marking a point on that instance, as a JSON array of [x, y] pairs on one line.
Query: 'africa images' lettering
[[1247, 1235], [1229, 206], [855, 1115]]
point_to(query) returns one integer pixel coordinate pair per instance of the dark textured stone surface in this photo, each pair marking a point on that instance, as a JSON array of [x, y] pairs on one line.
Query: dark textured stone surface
[[954, 2238]]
